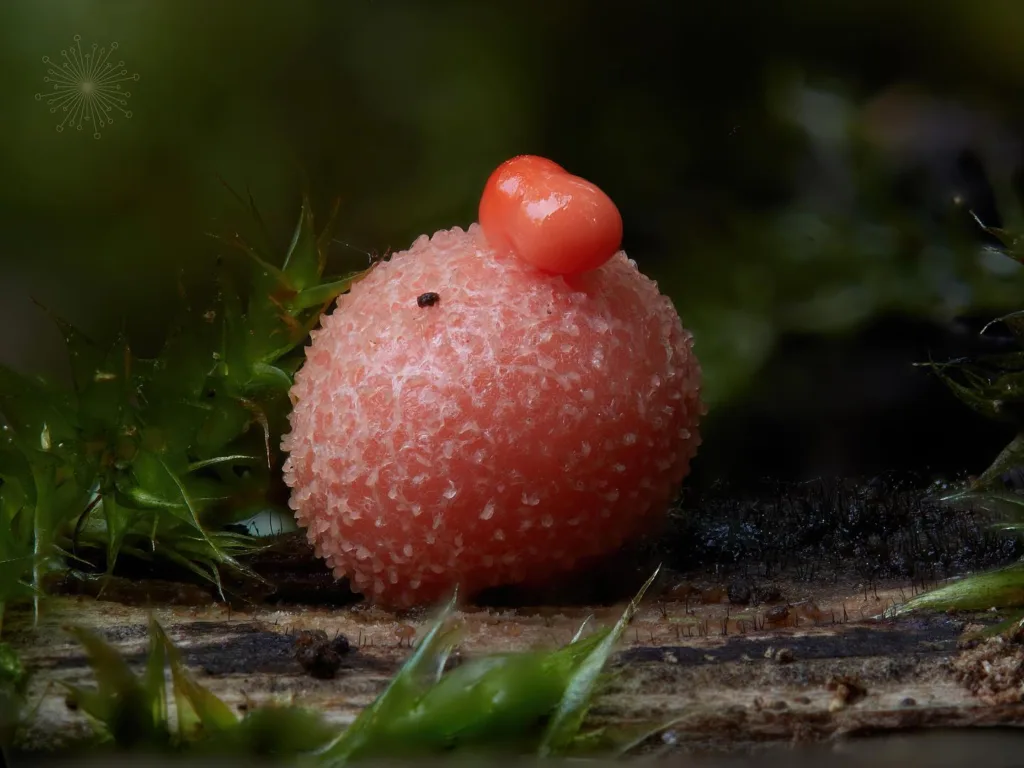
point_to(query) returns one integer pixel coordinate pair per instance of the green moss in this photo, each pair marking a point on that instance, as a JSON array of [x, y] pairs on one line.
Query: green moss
[[993, 386], [532, 702], [150, 458]]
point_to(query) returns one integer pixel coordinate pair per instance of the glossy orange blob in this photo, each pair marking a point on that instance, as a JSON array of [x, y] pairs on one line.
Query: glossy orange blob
[[557, 222]]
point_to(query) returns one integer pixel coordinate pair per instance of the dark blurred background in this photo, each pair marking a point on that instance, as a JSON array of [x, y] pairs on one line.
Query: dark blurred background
[[798, 176]]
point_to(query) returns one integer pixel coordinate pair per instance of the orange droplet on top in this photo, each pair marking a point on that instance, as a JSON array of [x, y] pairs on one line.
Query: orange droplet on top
[[557, 222]]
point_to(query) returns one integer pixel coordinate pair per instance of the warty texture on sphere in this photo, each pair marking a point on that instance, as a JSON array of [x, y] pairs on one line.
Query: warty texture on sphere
[[519, 423]]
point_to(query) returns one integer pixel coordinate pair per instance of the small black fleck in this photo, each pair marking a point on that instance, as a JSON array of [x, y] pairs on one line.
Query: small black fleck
[[427, 299], [908, 702]]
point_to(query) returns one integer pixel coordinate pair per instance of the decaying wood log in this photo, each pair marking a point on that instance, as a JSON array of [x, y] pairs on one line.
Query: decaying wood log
[[733, 681], [740, 653]]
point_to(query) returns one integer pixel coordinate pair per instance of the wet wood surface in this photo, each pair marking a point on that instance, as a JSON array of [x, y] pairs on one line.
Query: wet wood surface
[[814, 667]]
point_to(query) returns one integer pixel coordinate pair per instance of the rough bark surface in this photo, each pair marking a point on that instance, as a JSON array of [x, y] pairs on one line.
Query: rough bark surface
[[815, 668]]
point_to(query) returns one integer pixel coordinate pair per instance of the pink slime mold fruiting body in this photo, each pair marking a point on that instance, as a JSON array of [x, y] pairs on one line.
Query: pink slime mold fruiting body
[[465, 418]]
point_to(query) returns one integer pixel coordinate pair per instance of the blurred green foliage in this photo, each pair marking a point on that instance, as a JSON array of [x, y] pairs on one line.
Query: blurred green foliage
[[737, 138], [516, 702], [14, 680], [993, 386], [153, 456]]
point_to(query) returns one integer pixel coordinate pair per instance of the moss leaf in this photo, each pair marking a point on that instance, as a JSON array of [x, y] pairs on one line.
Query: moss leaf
[[568, 718], [1001, 588]]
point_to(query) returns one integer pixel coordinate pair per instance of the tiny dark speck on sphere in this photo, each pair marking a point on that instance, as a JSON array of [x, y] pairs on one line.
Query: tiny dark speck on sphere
[[427, 299]]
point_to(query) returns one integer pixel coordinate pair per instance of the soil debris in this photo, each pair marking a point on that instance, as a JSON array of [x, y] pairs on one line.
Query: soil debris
[[319, 655], [993, 670], [846, 690]]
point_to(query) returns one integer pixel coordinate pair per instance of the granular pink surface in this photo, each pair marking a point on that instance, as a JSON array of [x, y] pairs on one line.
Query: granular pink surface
[[521, 423]]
